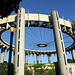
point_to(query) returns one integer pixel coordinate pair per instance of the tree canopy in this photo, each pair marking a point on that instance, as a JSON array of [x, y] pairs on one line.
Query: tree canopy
[[7, 6], [69, 60]]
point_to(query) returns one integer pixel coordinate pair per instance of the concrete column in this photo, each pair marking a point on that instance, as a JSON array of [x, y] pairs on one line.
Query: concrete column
[[61, 54], [73, 55], [26, 58], [37, 57], [2, 55], [49, 59], [19, 43]]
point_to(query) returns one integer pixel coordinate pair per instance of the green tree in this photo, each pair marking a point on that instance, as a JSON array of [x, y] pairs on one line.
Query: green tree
[[7, 6], [41, 61], [69, 60], [34, 61]]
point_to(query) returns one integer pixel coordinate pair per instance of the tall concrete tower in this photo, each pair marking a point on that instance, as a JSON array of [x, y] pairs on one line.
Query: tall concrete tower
[[19, 44], [61, 54]]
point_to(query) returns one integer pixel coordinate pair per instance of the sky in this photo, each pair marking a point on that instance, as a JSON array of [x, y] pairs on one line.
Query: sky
[[64, 7]]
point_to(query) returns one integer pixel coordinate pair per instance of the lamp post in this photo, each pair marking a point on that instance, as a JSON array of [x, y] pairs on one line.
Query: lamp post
[[12, 30]]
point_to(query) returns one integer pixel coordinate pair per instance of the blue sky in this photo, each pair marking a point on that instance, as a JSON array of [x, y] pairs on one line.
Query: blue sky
[[65, 8]]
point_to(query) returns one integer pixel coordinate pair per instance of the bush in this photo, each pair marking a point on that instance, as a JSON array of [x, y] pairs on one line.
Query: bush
[[3, 69], [45, 72], [37, 66], [51, 72], [27, 72], [39, 72], [14, 72], [74, 61], [69, 60]]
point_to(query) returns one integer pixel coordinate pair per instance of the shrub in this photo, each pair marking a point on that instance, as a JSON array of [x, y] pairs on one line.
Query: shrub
[[3, 69], [39, 72], [51, 72], [27, 72], [69, 60]]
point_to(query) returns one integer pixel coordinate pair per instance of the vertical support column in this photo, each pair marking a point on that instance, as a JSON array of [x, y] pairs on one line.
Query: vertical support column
[[73, 56], [26, 58], [49, 58], [37, 57], [19, 43], [2, 55], [61, 54]]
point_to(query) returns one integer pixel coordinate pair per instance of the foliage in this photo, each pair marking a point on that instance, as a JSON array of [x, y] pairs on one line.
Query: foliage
[[34, 62], [39, 72], [14, 72], [51, 65], [44, 72], [27, 72], [25, 67], [41, 61], [69, 60], [7, 6], [3, 69], [74, 61], [37, 62], [37, 66], [52, 72]]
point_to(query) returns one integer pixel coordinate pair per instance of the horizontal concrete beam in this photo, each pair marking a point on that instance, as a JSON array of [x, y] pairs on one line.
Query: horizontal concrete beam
[[35, 17]]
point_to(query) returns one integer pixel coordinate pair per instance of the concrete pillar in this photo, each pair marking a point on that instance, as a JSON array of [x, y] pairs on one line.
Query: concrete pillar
[[26, 58], [19, 43], [2, 55], [73, 55], [61, 54], [49, 58], [37, 57]]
